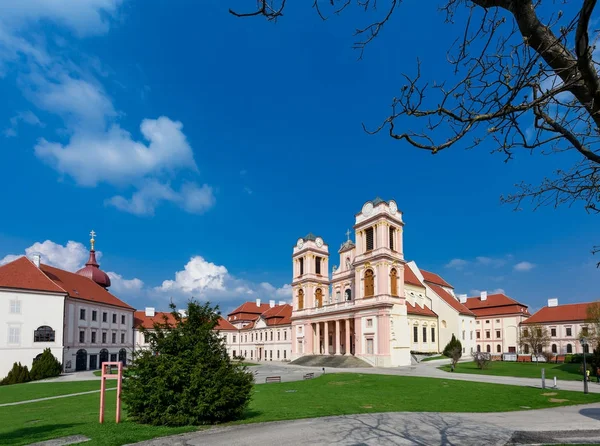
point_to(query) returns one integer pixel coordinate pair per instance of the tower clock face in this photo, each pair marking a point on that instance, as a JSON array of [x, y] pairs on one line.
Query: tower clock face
[[300, 243], [367, 209], [393, 207], [319, 242]]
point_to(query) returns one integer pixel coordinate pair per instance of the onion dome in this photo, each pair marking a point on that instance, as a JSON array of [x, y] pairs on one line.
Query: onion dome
[[92, 270]]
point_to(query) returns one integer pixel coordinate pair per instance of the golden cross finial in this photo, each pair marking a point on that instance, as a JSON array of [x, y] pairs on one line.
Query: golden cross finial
[[93, 240]]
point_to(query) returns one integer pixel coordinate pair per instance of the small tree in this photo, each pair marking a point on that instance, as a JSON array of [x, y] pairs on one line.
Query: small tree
[[17, 375], [535, 338], [593, 321], [482, 360], [453, 350], [186, 377], [46, 366]]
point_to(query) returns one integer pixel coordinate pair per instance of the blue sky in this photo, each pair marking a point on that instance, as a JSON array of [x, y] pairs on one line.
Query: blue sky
[[199, 147]]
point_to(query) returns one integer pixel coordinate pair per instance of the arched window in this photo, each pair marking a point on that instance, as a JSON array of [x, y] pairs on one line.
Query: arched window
[[319, 298], [554, 348], [348, 293], [369, 283], [300, 299], [478, 348], [338, 295], [103, 356], [81, 360], [489, 348], [43, 334], [369, 237], [569, 348], [123, 356], [526, 349], [498, 348], [394, 282]]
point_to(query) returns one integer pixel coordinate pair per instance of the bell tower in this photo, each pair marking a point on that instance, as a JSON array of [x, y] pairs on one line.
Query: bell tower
[[379, 259], [310, 283]]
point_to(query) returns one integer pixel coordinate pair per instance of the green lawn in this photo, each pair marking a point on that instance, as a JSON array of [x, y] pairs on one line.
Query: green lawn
[[432, 358], [331, 394], [30, 391], [566, 372], [99, 372]]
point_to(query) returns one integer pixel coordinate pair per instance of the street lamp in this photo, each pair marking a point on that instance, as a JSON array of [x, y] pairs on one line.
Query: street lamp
[[584, 342]]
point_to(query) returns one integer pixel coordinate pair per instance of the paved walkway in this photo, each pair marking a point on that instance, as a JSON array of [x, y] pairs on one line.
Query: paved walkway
[[582, 424]]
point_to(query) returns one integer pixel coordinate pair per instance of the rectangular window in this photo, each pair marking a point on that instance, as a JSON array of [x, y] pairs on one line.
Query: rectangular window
[[487, 322], [284, 354], [82, 314], [424, 334], [234, 338], [525, 332], [498, 334], [15, 306], [270, 354], [569, 331], [146, 338], [279, 336], [463, 335], [553, 332], [584, 331], [415, 334], [114, 338], [105, 317], [370, 349], [285, 335], [369, 323], [301, 266], [392, 236], [317, 265], [122, 338], [487, 335], [277, 354], [94, 315], [432, 334], [369, 233], [478, 335], [271, 336], [123, 319], [93, 337], [114, 318], [14, 335], [471, 335], [477, 322], [81, 336], [104, 338]]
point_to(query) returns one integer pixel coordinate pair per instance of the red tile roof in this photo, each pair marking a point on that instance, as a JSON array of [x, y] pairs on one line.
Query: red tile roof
[[450, 300], [140, 320], [434, 278], [560, 313], [495, 304], [23, 274], [417, 309], [278, 315], [411, 278], [224, 325], [248, 311], [79, 287]]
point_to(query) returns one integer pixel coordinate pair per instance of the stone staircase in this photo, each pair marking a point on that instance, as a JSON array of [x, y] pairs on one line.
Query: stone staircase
[[342, 362]]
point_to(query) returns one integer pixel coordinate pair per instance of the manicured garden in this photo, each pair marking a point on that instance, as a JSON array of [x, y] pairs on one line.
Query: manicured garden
[[565, 372], [331, 394], [433, 358], [35, 390]]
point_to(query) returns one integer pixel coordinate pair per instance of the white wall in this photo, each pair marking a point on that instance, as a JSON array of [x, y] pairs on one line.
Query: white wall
[[36, 310]]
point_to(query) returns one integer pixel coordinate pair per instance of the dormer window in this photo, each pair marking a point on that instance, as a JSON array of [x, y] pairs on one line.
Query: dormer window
[[392, 237], [369, 234]]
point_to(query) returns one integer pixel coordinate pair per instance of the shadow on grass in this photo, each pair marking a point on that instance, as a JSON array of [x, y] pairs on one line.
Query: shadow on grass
[[33, 433], [249, 415]]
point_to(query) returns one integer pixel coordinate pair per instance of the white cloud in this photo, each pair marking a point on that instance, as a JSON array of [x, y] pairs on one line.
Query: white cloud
[[270, 291], [70, 257], [457, 264], [144, 201], [491, 261], [524, 266], [198, 276], [477, 292], [119, 285], [28, 117]]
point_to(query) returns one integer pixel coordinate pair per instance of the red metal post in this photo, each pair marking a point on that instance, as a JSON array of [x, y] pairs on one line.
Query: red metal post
[[102, 388], [120, 374]]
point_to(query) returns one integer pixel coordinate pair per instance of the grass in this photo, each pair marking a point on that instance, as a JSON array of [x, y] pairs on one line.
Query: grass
[[99, 372], [247, 364], [331, 394], [433, 358], [565, 372], [30, 391]]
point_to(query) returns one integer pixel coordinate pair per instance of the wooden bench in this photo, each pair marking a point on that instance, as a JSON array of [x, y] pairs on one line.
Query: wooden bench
[[273, 379], [309, 376]]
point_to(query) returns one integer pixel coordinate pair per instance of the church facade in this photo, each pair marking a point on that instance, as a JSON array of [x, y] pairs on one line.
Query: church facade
[[375, 305]]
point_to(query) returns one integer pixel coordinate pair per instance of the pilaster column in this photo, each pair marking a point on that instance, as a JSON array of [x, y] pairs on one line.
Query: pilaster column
[[348, 353], [326, 336], [337, 337], [317, 347]]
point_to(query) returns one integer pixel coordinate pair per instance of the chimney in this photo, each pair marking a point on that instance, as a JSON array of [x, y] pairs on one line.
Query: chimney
[[271, 303], [150, 311], [483, 296], [258, 302], [282, 302], [553, 302], [462, 298], [36, 259]]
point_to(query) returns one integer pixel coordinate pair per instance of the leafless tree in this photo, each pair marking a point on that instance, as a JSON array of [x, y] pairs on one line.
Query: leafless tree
[[593, 323], [525, 78], [534, 338], [482, 360]]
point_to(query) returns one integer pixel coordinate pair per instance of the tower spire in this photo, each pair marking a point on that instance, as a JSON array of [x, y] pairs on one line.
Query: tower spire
[[92, 240]]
